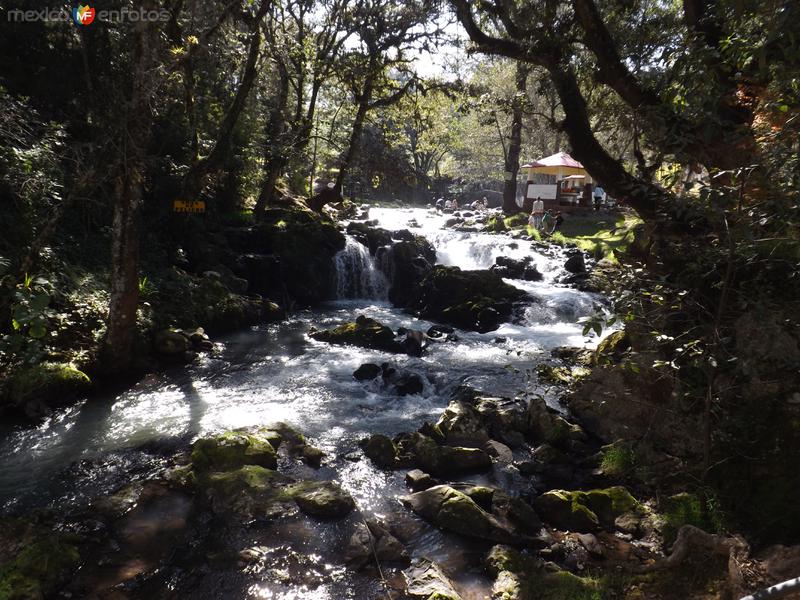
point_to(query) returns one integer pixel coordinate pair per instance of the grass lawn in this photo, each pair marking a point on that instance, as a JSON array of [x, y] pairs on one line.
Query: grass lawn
[[601, 235]]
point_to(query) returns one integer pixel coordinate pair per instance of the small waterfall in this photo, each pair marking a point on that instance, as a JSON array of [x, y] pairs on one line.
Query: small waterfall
[[356, 274]]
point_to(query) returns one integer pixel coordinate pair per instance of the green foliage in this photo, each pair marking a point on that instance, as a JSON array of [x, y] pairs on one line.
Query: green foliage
[[30, 319], [691, 509]]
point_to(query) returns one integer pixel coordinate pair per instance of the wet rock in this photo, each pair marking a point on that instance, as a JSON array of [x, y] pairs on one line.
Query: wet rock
[[364, 333], [444, 460], [326, 500], [248, 492], [312, 456], [381, 450], [501, 519], [233, 449], [425, 580], [438, 331], [414, 342], [516, 269], [499, 451], [474, 300], [374, 541], [406, 263], [372, 237], [171, 343], [408, 384], [418, 480], [470, 419], [366, 372], [575, 263]]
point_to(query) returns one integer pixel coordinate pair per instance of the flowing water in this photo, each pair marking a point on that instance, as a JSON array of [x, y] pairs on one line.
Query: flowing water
[[276, 372]]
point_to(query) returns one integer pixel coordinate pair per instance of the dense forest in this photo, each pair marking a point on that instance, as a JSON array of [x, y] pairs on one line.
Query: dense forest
[[246, 351]]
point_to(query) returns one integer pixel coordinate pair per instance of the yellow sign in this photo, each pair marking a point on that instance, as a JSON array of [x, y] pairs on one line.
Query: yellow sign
[[189, 206]]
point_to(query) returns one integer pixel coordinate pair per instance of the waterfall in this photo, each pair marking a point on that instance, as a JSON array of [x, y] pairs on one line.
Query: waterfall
[[357, 275]]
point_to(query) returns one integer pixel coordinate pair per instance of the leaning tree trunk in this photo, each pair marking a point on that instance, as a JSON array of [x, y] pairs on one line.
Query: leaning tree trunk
[[121, 325], [354, 145], [515, 142]]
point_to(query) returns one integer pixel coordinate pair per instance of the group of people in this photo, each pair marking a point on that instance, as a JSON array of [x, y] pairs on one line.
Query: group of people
[[543, 220], [452, 204]]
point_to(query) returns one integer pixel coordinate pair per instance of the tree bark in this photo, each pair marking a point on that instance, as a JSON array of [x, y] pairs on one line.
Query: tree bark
[[354, 144], [121, 324], [515, 141], [275, 154]]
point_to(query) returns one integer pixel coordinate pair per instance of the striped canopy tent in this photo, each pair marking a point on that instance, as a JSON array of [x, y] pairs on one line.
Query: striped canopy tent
[[560, 164]]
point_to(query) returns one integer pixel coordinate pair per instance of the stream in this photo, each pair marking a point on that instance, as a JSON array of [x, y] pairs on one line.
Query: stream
[[275, 372]]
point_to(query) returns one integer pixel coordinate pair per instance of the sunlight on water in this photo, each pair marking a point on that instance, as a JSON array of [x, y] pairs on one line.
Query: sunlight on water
[[277, 373]]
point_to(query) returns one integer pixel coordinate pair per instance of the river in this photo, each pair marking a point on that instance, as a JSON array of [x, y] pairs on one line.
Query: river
[[276, 372]]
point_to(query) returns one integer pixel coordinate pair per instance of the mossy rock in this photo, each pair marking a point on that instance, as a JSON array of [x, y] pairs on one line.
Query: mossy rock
[[683, 509], [495, 224], [35, 389], [585, 511], [40, 569], [523, 577], [233, 449], [364, 333], [517, 221], [322, 499], [555, 375], [612, 346], [381, 450]]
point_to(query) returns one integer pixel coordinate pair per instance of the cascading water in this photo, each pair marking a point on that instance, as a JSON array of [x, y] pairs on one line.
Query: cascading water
[[275, 372], [357, 276]]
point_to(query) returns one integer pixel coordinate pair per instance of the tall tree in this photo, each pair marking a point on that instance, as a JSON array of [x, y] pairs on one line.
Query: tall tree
[[515, 139], [128, 188]]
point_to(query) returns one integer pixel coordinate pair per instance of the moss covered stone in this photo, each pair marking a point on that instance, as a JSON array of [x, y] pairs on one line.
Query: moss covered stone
[[37, 388], [364, 333], [585, 511], [40, 569], [325, 499], [612, 346], [233, 449]]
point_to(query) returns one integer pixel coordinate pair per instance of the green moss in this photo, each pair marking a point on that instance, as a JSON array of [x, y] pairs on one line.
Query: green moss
[[618, 460], [495, 224], [40, 569], [47, 382], [585, 511], [612, 346], [686, 509], [517, 221], [364, 333], [231, 450]]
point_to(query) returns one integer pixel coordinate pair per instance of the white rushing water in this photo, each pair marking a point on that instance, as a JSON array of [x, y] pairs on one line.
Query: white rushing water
[[276, 372]]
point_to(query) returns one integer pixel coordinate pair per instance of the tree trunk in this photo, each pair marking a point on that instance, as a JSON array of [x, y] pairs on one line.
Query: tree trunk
[[275, 152], [121, 325], [355, 141], [510, 206]]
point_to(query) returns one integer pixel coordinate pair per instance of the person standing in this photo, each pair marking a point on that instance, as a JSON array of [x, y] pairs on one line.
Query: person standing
[[537, 213], [557, 222], [599, 192]]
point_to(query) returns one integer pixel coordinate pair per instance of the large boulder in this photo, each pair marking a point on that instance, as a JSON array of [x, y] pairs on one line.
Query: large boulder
[[477, 512], [406, 263], [474, 300], [516, 269], [372, 237], [585, 511], [575, 264], [233, 449], [36, 390], [422, 451], [372, 540], [365, 333]]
